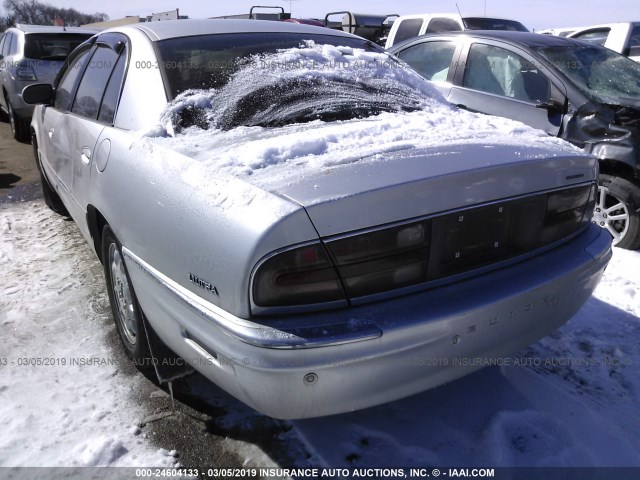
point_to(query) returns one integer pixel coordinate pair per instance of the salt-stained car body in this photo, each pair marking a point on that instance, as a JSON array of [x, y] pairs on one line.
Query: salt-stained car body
[[310, 225]]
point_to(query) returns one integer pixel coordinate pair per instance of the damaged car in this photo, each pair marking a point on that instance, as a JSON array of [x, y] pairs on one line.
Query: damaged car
[[268, 205], [581, 92]]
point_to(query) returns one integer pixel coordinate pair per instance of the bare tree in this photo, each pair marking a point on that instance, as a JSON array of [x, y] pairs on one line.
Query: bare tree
[[37, 13]]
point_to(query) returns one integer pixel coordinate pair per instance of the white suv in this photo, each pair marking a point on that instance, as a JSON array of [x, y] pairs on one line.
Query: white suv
[[622, 37], [409, 26]]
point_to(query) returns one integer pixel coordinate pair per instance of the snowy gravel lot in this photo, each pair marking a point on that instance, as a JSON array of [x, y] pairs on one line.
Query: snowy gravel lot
[[569, 400]]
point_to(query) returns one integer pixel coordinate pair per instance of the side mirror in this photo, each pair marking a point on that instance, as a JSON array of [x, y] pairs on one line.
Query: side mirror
[[38, 93]]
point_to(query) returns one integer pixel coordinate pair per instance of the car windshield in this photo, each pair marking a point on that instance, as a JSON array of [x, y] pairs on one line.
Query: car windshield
[[482, 23], [52, 46], [225, 81], [601, 74]]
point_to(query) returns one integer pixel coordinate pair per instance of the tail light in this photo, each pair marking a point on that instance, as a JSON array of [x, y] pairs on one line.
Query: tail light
[[416, 253], [297, 277]]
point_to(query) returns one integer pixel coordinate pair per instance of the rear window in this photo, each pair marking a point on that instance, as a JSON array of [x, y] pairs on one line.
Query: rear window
[[208, 61], [481, 23], [408, 28], [52, 46]]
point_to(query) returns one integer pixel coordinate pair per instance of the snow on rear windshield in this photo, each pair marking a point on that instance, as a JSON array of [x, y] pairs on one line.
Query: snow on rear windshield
[[299, 85], [267, 154]]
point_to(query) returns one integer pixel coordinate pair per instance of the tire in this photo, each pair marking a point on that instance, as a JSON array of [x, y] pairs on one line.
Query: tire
[[51, 198], [19, 127], [617, 210], [126, 310]]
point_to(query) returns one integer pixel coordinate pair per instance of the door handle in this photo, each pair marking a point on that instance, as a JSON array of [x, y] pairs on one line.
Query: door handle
[[86, 155], [51, 131]]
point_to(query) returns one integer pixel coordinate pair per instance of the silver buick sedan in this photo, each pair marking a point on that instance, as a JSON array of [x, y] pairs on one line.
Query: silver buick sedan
[[303, 219]]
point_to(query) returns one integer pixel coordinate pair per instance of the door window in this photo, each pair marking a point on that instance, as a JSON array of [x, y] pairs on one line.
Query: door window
[[501, 72], [13, 44], [112, 94], [6, 43], [64, 90], [94, 82], [430, 59]]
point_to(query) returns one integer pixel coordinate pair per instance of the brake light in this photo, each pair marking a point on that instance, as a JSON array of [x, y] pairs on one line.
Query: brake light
[[297, 277]]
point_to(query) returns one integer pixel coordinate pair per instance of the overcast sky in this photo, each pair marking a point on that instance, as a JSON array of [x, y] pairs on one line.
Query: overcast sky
[[533, 13]]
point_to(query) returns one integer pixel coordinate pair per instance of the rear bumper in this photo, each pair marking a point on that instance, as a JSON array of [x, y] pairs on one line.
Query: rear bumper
[[379, 352]]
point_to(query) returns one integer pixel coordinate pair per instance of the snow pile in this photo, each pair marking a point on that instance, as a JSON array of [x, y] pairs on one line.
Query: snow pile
[[64, 399], [318, 144]]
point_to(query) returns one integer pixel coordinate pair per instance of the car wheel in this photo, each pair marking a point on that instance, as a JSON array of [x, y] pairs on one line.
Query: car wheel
[[19, 128], [51, 198], [617, 210], [127, 313]]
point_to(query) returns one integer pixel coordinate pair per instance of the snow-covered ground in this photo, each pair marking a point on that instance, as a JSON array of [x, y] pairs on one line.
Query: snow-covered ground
[[572, 401], [64, 397]]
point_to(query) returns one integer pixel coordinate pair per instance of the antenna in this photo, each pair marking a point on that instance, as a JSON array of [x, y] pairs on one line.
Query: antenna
[[464, 23]]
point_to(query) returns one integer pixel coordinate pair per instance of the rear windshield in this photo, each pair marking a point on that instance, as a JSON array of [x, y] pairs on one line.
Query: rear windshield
[[208, 61], [52, 46], [481, 23]]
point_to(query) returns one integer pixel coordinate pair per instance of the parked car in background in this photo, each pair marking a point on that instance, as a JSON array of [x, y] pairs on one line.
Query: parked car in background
[[30, 54], [583, 93], [622, 37], [289, 226], [560, 32], [409, 26]]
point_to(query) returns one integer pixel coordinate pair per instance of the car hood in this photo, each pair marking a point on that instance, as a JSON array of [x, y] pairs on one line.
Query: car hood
[[361, 173]]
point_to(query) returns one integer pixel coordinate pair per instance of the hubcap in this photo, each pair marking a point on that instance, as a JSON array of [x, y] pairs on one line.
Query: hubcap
[[123, 296], [612, 214]]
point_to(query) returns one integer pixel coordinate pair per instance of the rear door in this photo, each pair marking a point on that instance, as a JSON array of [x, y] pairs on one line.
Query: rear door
[[498, 79], [55, 160], [91, 109]]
